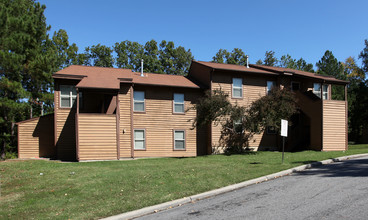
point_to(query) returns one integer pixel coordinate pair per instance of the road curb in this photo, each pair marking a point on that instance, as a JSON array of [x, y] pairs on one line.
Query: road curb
[[179, 202]]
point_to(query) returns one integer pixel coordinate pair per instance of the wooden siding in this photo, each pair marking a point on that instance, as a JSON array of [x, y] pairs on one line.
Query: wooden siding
[[97, 137], [334, 125], [125, 133], [253, 88], [36, 137], [28, 144], [65, 131], [159, 122]]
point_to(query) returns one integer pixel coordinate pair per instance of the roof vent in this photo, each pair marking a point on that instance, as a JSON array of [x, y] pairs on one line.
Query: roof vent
[[142, 67], [247, 61]]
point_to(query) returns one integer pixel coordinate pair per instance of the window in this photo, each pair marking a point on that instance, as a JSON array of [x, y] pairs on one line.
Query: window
[[138, 97], [178, 103], [139, 140], [237, 88], [325, 92], [68, 94], [179, 140], [317, 89], [295, 86], [270, 85]]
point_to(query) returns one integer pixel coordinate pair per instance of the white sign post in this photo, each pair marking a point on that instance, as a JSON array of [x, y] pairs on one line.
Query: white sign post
[[284, 131]]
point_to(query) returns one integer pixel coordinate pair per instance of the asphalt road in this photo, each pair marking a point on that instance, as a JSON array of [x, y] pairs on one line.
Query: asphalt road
[[334, 191]]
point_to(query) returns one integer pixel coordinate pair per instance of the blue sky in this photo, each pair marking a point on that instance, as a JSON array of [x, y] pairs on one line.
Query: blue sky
[[300, 28]]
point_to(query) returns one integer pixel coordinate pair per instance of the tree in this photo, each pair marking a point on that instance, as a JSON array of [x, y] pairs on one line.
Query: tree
[[328, 65], [364, 56], [287, 62], [301, 64], [99, 55], [236, 56], [270, 59], [239, 123], [66, 54], [165, 58], [27, 61]]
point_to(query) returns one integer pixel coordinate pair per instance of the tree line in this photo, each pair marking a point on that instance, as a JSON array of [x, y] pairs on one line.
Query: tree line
[[29, 56]]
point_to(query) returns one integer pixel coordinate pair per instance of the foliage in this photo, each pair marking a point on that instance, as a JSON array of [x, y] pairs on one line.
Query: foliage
[[270, 59], [328, 65], [287, 61], [27, 61], [364, 56], [236, 56], [213, 107], [99, 55], [266, 111], [165, 58]]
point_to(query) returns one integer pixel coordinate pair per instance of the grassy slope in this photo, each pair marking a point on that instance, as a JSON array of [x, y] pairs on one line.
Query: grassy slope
[[100, 189]]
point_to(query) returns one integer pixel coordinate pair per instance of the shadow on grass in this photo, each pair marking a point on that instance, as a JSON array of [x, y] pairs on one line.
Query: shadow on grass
[[305, 162]]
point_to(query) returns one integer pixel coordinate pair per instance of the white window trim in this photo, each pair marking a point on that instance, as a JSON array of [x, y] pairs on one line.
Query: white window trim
[[70, 96], [185, 147], [234, 87], [138, 101], [144, 138], [327, 92], [179, 103]]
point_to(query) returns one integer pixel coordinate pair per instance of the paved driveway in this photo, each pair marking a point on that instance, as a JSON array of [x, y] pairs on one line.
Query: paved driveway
[[333, 191]]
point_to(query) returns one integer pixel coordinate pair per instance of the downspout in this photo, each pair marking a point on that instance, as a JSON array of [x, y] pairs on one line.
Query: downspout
[[117, 126], [346, 118], [77, 127]]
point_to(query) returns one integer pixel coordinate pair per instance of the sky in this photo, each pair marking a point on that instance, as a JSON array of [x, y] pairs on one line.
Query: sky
[[300, 28]]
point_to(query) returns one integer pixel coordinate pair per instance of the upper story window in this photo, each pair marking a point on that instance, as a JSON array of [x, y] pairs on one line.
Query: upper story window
[[325, 92], [178, 103], [68, 95], [138, 98], [270, 85], [237, 87], [317, 89]]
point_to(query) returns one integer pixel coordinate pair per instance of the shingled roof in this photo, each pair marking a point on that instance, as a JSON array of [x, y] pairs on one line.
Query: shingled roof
[[110, 78], [270, 70]]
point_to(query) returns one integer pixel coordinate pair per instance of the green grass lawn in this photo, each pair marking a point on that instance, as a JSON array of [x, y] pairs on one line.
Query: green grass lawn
[[100, 189]]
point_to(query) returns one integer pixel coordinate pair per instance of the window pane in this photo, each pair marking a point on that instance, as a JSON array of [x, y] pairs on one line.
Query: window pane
[[65, 90], [139, 145], [325, 88], [237, 92], [179, 135], [139, 106], [179, 108], [179, 145], [65, 102], [139, 135], [237, 82], [316, 87], [178, 98], [138, 96]]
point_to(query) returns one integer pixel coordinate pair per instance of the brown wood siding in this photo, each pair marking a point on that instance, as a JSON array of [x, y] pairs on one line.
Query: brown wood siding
[[65, 131], [159, 123], [334, 125], [36, 138], [28, 144], [125, 138], [200, 73], [253, 88], [97, 136]]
